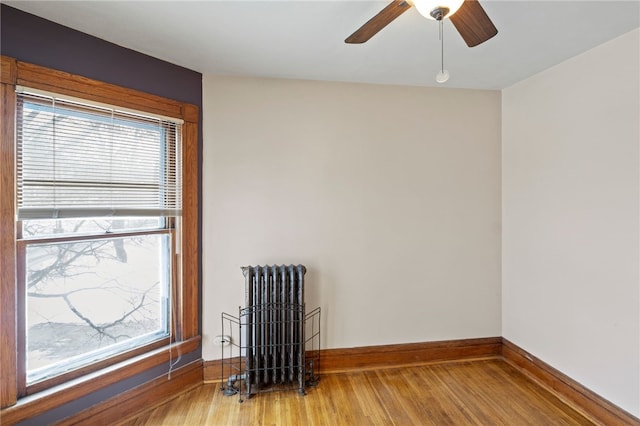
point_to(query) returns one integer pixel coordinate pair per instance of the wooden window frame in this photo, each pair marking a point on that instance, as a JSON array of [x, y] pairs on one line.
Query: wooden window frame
[[12, 73]]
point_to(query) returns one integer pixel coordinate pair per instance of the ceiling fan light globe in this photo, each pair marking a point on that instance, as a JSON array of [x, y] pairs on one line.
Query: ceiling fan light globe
[[442, 76], [426, 6]]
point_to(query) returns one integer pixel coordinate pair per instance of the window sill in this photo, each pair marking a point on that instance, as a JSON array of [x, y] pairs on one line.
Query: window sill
[[46, 400]]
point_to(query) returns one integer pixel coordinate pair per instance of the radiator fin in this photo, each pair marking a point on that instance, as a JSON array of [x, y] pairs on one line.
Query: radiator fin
[[273, 319], [273, 350]]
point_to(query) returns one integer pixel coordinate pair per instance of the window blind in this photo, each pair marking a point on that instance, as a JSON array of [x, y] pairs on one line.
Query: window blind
[[77, 159]]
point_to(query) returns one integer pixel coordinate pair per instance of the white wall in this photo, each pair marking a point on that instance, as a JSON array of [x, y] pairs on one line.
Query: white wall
[[389, 195], [571, 228]]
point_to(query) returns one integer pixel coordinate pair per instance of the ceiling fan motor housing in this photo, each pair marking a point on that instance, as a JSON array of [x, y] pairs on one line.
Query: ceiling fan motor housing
[[439, 13], [437, 9]]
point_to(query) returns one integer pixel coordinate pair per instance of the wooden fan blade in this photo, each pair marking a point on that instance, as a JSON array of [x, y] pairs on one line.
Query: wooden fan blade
[[378, 22], [473, 23]]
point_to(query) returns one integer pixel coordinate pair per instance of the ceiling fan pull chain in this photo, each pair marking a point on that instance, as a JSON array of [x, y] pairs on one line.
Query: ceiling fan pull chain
[[443, 75], [442, 45]]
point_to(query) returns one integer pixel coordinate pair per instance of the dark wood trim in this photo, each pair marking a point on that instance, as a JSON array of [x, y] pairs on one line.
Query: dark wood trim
[[390, 356], [8, 295], [212, 371], [49, 399], [8, 70], [141, 398], [375, 357], [587, 402], [190, 113], [63, 83], [189, 249]]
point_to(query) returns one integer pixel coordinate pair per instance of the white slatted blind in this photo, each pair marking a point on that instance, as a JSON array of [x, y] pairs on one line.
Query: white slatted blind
[[88, 160]]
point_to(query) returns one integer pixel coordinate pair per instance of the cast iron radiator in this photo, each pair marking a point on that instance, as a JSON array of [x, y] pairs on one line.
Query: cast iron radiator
[[276, 343]]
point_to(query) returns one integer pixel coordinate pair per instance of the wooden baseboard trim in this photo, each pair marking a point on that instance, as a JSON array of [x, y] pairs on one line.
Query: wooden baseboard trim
[[587, 402], [145, 397], [376, 357], [152, 394], [212, 371], [389, 356]]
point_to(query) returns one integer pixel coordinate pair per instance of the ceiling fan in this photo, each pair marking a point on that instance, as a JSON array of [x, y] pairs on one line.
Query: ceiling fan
[[468, 16]]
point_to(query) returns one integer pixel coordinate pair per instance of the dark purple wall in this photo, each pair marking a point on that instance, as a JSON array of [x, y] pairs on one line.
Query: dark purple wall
[[32, 39]]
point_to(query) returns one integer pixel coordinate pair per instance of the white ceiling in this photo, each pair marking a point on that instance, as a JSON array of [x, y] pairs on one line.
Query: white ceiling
[[305, 39]]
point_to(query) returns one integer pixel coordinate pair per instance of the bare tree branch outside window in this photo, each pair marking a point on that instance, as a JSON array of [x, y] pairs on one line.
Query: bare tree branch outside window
[[87, 295], [94, 185]]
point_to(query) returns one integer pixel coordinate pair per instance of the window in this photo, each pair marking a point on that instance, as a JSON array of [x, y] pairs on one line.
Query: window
[[99, 245], [98, 195]]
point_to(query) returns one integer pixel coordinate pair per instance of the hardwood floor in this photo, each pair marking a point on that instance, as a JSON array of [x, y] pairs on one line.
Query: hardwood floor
[[483, 392]]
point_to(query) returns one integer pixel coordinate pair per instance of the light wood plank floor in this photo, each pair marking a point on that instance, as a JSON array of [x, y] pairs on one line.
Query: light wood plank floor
[[485, 392]]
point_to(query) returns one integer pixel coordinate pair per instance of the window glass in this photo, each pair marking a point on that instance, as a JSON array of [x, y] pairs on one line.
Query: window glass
[[97, 189], [78, 160], [92, 298]]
